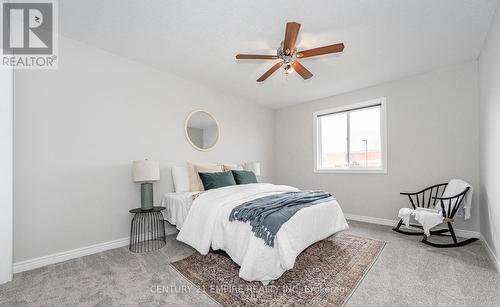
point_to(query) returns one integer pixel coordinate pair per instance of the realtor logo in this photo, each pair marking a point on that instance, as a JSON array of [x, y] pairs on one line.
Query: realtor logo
[[29, 34]]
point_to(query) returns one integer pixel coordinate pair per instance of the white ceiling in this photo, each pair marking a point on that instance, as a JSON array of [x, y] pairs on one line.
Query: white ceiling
[[385, 39]]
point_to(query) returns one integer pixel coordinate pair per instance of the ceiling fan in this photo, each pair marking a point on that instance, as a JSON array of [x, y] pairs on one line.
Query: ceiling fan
[[288, 54]]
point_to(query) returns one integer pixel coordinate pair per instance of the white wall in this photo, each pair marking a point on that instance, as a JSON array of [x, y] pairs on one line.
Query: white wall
[[432, 127], [78, 128], [489, 128], [6, 98]]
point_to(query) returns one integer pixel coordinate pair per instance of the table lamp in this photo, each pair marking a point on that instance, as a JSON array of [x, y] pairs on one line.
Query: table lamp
[[146, 172]]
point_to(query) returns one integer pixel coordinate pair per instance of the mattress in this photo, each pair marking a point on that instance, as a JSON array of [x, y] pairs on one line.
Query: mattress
[[207, 226], [177, 207]]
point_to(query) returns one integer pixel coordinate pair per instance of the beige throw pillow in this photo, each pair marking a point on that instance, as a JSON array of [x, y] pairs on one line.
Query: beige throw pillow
[[233, 167], [195, 167]]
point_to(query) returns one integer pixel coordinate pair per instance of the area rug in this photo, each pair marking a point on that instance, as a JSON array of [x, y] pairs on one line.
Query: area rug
[[325, 274]]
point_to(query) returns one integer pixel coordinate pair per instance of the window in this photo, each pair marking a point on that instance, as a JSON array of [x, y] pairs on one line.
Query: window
[[351, 139]]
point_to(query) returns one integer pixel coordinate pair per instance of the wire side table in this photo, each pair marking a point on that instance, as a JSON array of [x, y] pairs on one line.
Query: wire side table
[[147, 230]]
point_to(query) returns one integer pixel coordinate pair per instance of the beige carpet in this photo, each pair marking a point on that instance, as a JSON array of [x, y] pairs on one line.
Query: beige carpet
[[325, 274]]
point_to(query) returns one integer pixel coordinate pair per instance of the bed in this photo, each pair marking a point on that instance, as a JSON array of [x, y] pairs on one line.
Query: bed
[[177, 207], [204, 224]]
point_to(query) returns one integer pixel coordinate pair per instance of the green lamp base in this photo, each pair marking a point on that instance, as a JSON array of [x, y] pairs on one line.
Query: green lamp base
[[146, 196]]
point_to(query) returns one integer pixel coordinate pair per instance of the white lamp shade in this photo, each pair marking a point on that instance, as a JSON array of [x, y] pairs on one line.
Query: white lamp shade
[[254, 167], [145, 170]]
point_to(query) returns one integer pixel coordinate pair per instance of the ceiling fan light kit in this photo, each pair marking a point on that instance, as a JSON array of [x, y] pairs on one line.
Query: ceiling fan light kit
[[288, 54]]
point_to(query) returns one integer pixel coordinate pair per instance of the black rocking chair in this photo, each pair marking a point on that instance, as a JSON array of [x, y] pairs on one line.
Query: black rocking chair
[[428, 198]]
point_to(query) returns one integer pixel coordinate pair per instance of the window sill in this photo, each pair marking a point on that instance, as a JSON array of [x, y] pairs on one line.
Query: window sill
[[350, 171]]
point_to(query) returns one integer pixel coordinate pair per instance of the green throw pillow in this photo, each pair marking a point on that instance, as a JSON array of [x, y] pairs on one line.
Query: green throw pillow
[[244, 177], [217, 180]]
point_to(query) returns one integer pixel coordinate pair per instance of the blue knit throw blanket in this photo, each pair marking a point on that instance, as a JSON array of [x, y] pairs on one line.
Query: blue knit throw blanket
[[267, 214]]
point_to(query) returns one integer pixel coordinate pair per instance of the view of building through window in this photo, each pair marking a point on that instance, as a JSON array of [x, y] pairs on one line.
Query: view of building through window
[[351, 139]]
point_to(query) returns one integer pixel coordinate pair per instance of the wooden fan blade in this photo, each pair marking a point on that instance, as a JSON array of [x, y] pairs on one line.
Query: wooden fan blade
[[255, 57], [291, 33], [321, 50], [270, 72], [301, 70]]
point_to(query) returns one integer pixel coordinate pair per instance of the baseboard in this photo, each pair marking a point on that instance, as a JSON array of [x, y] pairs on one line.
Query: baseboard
[[493, 258], [67, 255], [386, 222], [371, 220], [75, 253]]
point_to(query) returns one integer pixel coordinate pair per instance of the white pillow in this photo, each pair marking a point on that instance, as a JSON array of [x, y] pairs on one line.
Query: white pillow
[[180, 176]]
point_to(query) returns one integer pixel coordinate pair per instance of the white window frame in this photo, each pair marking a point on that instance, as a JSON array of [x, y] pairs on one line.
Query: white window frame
[[347, 108]]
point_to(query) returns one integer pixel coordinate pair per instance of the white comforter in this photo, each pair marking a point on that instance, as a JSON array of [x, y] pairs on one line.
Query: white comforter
[[207, 225]]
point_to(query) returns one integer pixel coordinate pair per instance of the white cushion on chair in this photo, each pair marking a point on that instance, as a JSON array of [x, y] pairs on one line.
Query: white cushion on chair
[[404, 214], [428, 218]]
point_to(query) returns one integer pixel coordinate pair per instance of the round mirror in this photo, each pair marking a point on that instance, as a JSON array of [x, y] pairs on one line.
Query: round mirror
[[202, 130]]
